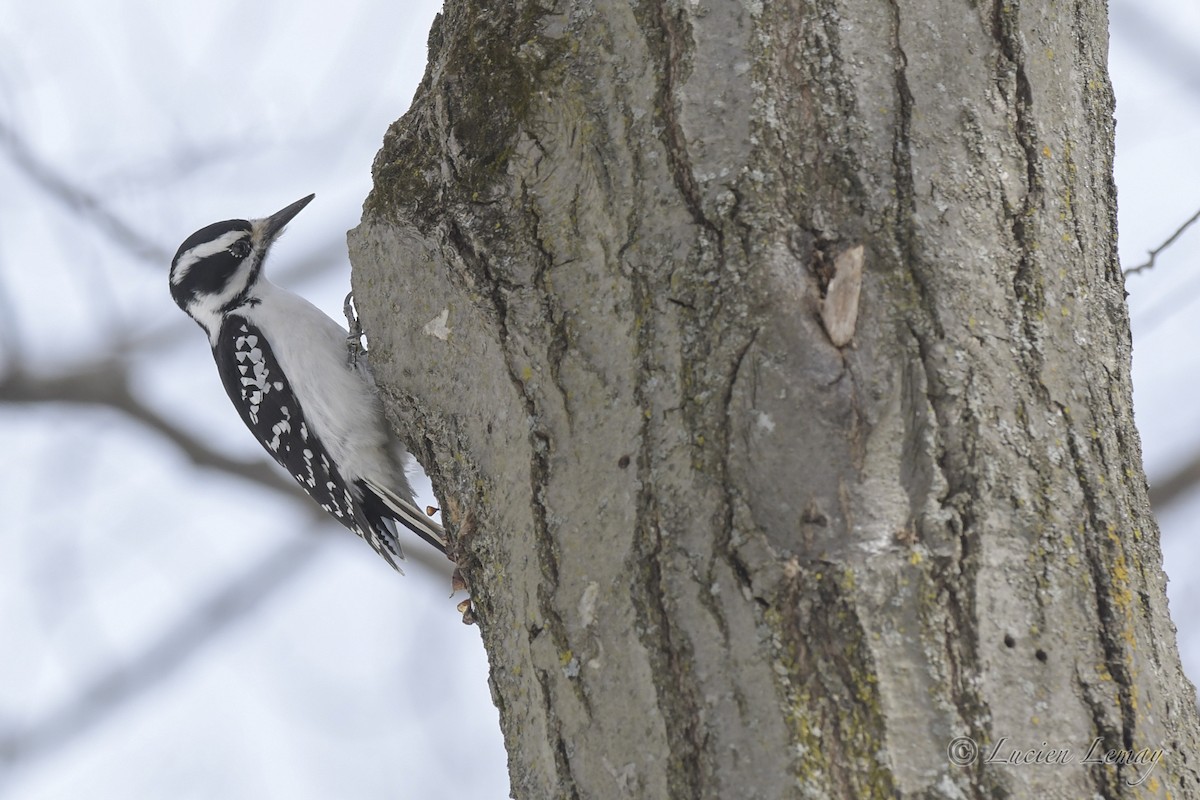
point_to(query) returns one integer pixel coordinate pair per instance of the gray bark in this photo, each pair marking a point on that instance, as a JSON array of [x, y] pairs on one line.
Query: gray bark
[[733, 525]]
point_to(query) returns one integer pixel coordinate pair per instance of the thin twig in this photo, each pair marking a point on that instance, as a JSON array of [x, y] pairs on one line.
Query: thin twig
[[1170, 240], [1171, 488], [11, 346], [80, 200], [106, 385]]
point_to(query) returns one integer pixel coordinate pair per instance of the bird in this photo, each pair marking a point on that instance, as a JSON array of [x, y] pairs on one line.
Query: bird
[[285, 364]]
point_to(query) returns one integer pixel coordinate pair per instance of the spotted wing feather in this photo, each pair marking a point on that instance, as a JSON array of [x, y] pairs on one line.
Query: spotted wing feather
[[259, 390]]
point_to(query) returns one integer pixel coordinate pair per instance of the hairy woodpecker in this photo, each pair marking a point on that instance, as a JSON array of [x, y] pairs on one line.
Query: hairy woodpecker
[[285, 366]]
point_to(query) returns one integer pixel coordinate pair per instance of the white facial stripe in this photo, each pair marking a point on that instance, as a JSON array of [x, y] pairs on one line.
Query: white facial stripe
[[188, 259]]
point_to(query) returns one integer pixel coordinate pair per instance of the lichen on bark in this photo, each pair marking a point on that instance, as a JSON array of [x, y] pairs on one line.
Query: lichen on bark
[[716, 552]]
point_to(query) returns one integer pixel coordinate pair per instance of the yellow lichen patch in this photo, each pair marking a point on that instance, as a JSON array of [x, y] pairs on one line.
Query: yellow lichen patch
[[832, 705], [848, 582], [1122, 594]]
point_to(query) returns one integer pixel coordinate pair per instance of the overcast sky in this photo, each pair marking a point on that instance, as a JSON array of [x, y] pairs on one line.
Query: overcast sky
[[339, 679], [343, 679]]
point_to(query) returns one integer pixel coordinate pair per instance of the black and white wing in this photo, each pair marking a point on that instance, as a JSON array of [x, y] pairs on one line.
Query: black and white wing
[[265, 401]]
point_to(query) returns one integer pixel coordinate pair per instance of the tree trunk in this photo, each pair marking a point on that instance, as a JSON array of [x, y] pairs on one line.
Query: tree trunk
[[771, 361]]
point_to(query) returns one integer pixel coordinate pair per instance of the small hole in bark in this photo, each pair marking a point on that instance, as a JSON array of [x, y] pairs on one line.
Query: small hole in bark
[[1041, 656], [1009, 641], [623, 462]]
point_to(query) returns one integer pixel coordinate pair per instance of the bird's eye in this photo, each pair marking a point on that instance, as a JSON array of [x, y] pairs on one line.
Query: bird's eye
[[240, 249]]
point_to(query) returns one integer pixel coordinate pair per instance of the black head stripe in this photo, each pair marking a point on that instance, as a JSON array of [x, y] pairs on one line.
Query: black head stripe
[[209, 233], [207, 276], [210, 274]]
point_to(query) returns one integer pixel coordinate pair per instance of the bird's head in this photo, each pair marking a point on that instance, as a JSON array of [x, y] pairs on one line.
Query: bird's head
[[216, 268]]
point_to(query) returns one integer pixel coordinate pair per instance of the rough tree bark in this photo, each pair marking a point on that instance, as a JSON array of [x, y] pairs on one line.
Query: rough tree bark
[[726, 538]]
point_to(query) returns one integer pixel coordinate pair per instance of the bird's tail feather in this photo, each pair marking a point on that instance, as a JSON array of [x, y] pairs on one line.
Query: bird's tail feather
[[410, 516]]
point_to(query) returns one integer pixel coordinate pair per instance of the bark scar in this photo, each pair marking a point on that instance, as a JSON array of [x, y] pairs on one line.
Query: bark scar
[[839, 306]]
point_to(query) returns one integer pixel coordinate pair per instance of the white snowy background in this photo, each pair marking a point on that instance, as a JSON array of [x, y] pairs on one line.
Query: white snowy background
[[169, 631]]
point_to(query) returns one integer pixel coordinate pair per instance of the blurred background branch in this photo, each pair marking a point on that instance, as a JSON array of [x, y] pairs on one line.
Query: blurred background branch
[[181, 641], [1170, 240], [106, 384], [140, 521], [84, 205]]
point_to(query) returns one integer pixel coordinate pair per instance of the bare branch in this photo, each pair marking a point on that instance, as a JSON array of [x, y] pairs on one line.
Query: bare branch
[[162, 658], [10, 331], [78, 199], [1170, 240], [1174, 486], [106, 384]]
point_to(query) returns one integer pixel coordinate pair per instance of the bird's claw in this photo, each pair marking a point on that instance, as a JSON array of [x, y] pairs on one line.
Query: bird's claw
[[354, 338], [467, 609], [458, 584]]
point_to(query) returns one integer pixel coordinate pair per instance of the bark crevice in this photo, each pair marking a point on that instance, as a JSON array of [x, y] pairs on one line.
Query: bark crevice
[[714, 554]]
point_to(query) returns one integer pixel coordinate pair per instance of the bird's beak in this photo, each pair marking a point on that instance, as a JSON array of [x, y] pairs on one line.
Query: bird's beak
[[275, 223]]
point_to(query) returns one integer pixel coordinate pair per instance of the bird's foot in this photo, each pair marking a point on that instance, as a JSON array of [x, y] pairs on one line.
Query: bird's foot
[[467, 609], [354, 346], [459, 584]]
